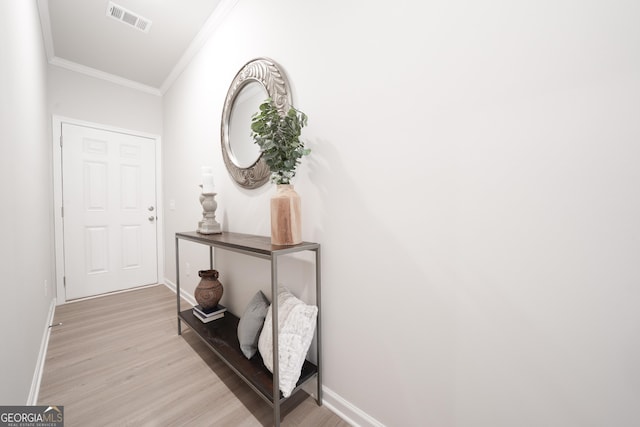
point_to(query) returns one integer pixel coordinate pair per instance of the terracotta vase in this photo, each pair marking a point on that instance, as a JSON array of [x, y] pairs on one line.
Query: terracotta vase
[[286, 224], [209, 290]]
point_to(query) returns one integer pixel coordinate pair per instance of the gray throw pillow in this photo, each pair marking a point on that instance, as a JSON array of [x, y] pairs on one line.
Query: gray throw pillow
[[251, 323]]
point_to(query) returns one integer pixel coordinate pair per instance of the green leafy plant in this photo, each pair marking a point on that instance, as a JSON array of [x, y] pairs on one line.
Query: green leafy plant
[[278, 137]]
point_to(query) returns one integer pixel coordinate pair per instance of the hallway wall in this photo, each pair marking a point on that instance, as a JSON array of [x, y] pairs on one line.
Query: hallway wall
[[82, 97], [474, 183], [26, 242]]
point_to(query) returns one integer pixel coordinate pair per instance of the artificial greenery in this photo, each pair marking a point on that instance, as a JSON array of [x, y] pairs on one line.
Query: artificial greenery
[[279, 140]]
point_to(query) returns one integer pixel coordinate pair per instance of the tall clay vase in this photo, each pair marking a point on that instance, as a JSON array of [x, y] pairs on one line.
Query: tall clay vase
[[209, 290], [286, 224]]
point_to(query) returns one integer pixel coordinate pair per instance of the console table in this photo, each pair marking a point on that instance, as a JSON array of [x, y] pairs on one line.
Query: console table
[[221, 335]]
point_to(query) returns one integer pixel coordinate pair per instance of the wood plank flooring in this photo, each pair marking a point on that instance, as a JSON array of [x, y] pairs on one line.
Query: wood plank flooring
[[117, 360]]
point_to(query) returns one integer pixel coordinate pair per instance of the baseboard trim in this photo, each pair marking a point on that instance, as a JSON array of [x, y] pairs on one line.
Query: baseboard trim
[[348, 411], [37, 374], [183, 294]]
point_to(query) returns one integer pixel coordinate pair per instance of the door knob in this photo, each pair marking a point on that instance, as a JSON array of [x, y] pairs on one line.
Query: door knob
[[150, 208], [152, 218]]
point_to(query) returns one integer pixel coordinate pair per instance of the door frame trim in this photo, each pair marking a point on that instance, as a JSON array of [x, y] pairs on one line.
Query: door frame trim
[[56, 132]]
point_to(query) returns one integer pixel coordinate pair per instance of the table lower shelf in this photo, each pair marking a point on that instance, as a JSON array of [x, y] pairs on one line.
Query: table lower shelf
[[222, 338]]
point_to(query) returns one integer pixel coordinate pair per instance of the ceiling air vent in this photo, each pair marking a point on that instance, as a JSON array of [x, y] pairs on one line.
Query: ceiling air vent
[[125, 16]]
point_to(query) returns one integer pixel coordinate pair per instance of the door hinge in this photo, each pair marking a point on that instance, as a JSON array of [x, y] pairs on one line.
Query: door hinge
[[62, 211], [64, 282], [60, 141]]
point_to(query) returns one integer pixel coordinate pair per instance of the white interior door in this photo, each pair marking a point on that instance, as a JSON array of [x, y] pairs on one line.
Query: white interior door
[[109, 205]]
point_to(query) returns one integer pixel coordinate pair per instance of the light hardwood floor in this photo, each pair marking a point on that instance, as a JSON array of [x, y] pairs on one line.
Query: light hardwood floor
[[117, 360]]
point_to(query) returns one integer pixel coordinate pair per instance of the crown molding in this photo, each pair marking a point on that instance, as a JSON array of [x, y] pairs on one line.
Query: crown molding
[[78, 68], [45, 24], [210, 26]]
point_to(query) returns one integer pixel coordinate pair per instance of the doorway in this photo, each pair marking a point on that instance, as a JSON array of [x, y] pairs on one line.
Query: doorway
[[108, 222]]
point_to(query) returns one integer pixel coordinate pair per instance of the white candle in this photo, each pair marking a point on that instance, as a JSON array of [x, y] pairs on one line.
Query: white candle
[[207, 179], [207, 183]]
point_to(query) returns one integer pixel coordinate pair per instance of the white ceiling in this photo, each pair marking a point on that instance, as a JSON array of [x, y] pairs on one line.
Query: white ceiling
[[79, 35]]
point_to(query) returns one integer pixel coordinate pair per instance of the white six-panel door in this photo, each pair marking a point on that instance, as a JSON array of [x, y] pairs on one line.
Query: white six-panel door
[[109, 203]]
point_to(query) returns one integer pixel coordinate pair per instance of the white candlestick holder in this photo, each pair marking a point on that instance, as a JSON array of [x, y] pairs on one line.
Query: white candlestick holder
[[209, 225]]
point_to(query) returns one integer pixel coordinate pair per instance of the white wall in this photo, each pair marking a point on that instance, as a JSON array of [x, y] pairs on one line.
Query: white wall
[[25, 187], [473, 183], [86, 98]]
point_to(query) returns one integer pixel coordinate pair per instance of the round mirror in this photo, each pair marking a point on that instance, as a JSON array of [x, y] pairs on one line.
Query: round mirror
[[243, 151], [256, 81]]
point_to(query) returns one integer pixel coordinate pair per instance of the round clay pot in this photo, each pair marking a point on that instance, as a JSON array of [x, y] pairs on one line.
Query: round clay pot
[[209, 290]]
